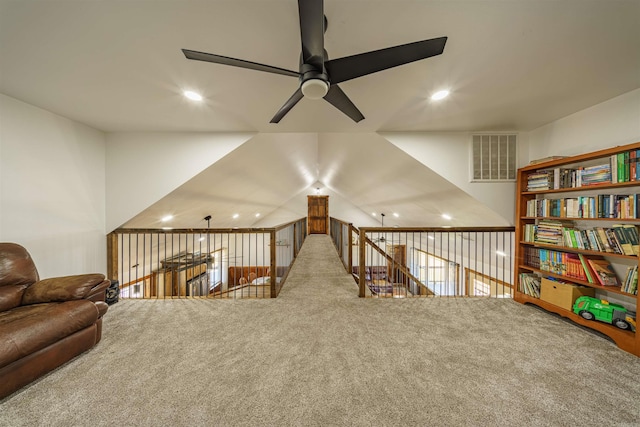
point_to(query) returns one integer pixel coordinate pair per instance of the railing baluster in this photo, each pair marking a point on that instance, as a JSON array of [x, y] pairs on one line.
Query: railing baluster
[[436, 262], [448, 266]]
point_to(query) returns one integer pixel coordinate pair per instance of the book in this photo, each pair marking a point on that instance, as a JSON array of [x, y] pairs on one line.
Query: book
[[604, 272], [631, 232], [613, 241], [630, 283], [602, 239], [587, 269], [530, 284], [622, 239]]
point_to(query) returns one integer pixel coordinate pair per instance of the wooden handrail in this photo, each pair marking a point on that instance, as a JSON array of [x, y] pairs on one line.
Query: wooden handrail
[[403, 269], [436, 229], [281, 226], [203, 230]]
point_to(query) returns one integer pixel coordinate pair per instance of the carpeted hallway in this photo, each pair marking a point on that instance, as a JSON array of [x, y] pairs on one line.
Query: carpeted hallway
[[320, 356]]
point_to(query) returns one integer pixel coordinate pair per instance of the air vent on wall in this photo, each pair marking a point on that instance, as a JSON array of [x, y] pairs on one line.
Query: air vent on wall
[[493, 157]]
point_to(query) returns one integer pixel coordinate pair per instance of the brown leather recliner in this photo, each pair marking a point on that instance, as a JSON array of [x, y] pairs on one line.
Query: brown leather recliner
[[43, 323]]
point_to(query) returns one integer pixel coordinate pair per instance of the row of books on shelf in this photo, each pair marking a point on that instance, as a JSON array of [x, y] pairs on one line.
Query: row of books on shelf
[[621, 206], [557, 178], [530, 283], [620, 239], [620, 167], [593, 270]]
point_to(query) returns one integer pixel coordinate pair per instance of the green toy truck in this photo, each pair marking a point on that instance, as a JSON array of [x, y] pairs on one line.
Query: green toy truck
[[595, 309]]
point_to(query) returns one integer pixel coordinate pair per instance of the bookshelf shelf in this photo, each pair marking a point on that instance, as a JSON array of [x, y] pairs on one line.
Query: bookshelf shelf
[[626, 340], [578, 251], [565, 218], [616, 192]]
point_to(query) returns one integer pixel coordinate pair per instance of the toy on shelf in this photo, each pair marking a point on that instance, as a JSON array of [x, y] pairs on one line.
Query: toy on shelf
[[602, 310]]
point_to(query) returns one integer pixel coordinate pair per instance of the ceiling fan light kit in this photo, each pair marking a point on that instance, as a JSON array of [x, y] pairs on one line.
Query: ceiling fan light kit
[[319, 76], [314, 88]]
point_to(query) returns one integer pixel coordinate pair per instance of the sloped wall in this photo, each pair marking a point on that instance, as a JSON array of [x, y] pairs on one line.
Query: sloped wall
[[447, 154], [142, 167]]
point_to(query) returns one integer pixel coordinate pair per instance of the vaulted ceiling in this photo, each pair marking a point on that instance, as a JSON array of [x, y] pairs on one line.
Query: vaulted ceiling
[[255, 180], [510, 65]]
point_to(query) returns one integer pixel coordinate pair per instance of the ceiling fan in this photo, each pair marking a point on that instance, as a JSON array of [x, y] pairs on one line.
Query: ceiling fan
[[319, 76], [381, 239]]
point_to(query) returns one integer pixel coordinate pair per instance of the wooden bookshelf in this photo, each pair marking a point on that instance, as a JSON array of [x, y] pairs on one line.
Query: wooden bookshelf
[[627, 340]]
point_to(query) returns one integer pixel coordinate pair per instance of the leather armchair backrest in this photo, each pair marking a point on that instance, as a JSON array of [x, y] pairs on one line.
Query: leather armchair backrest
[[17, 272]]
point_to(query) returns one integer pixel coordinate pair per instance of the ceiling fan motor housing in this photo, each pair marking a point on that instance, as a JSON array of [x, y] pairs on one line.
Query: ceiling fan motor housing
[[314, 84]]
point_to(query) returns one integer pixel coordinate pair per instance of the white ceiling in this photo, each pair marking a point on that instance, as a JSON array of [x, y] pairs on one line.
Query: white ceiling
[[510, 65]]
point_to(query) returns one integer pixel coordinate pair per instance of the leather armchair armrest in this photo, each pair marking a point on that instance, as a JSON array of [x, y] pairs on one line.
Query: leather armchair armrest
[[58, 289], [99, 291], [102, 308]]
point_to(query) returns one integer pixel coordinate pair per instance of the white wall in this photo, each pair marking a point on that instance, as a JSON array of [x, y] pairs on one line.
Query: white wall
[[339, 207], [52, 189], [613, 122], [448, 154], [143, 167]]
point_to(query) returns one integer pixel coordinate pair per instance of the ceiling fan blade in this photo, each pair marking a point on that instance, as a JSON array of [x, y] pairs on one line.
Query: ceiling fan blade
[[341, 101], [219, 59], [291, 102], [350, 67], [312, 32]]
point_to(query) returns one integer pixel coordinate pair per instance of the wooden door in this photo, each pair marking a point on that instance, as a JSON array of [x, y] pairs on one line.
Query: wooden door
[[318, 218], [399, 256]]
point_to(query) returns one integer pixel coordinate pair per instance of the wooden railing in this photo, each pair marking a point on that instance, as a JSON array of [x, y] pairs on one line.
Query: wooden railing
[[342, 235], [427, 261], [203, 263]]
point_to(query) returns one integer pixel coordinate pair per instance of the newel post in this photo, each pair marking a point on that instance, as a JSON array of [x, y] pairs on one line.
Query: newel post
[[272, 263], [349, 245], [112, 256]]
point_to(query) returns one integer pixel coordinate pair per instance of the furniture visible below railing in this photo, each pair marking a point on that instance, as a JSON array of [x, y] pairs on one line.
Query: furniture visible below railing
[[427, 261], [203, 263]]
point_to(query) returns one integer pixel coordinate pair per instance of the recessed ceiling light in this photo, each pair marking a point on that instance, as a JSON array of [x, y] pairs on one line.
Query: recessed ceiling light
[[258, 215], [167, 218], [441, 94], [167, 228], [235, 216], [373, 214], [446, 216], [396, 214], [194, 96]]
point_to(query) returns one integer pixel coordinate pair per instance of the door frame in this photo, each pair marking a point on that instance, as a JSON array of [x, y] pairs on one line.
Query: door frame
[[326, 203]]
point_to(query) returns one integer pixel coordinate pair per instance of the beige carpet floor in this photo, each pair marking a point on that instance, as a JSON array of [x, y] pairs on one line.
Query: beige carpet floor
[[320, 356]]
